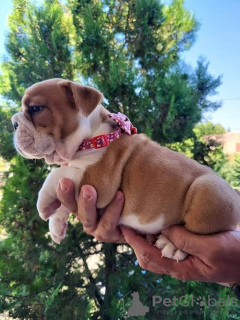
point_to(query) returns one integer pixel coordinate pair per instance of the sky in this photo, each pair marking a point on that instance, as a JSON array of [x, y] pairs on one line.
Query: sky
[[218, 40]]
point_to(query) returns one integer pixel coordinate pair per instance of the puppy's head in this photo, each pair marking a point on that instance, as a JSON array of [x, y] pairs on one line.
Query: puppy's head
[[50, 113]]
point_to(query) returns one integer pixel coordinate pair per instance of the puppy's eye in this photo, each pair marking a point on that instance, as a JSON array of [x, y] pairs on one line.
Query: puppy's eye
[[35, 109]]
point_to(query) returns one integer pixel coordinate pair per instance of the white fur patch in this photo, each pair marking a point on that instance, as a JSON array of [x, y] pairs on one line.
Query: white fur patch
[[58, 224], [167, 248], [148, 228], [48, 192]]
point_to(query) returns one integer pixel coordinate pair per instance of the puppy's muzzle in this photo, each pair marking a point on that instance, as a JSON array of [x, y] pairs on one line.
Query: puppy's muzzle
[[29, 142]]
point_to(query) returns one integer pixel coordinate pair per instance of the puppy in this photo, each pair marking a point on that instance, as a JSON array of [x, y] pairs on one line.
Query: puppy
[[64, 122]]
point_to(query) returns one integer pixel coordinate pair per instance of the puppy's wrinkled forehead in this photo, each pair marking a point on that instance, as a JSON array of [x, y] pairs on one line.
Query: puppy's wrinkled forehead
[[47, 105], [57, 93], [55, 105], [44, 93]]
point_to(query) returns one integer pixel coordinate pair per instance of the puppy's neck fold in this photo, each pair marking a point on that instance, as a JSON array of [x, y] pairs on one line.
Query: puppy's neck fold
[[96, 123]]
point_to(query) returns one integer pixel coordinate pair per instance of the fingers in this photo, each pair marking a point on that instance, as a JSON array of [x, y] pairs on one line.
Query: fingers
[[87, 212], [103, 229], [184, 239], [108, 225], [66, 194], [106, 229], [149, 257]]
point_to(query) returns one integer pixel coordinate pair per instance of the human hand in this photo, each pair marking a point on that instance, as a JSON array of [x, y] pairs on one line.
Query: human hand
[[212, 258], [104, 228]]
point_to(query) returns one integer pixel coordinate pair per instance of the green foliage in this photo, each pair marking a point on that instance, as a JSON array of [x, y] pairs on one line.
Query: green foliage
[[131, 51], [37, 276], [206, 151], [7, 150], [232, 172], [209, 152], [38, 45], [208, 128]]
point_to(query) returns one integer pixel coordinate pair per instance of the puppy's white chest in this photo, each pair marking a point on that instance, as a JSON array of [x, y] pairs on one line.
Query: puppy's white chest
[[88, 159]]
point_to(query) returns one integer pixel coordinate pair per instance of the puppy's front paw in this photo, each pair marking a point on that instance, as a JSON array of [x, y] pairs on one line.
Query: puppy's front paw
[[58, 224], [168, 249], [47, 204]]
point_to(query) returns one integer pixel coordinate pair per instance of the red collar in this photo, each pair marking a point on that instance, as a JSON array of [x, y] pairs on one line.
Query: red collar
[[101, 141]]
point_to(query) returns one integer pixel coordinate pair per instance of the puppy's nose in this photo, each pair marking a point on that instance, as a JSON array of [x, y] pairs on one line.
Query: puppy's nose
[[15, 125]]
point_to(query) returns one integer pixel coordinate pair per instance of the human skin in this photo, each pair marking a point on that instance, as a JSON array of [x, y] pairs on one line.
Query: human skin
[[212, 258]]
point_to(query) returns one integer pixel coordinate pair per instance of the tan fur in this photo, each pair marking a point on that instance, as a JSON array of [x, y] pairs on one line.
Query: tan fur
[[84, 98], [63, 100], [155, 180]]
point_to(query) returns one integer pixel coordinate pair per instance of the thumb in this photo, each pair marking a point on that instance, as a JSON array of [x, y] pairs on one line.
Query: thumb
[[183, 239]]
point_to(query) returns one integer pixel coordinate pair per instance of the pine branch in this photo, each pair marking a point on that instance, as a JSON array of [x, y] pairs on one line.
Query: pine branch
[[30, 294], [97, 296]]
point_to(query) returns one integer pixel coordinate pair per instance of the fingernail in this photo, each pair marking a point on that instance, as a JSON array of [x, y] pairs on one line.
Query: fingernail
[[63, 187], [86, 195], [119, 197]]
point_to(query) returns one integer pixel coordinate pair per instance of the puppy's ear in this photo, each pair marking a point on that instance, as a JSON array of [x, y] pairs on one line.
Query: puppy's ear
[[85, 99]]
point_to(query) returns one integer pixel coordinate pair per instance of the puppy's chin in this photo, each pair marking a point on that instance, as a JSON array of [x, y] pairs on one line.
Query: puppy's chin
[[30, 156], [44, 148], [54, 159], [49, 159], [32, 144]]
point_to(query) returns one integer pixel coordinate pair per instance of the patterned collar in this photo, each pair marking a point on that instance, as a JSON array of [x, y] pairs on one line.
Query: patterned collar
[[101, 141]]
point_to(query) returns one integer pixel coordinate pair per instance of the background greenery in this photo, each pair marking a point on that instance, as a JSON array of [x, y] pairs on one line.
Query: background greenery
[[130, 50]]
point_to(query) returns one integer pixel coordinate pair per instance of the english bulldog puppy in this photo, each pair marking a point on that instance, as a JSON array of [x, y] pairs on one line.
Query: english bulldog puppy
[[64, 122]]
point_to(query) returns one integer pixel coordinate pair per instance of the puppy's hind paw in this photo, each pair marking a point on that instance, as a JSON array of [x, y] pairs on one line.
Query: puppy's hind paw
[[179, 255], [169, 250], [161, 242]]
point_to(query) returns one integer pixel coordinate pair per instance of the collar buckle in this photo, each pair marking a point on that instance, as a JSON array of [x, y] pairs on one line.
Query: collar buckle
[[103, 140], [100, 141]]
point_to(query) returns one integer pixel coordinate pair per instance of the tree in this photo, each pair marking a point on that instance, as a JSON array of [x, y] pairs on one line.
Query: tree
[[205, 151], [38, 47], [36, 275], [130, 50], [6, 138], [208, 151], [231, 172], [208, 128]]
